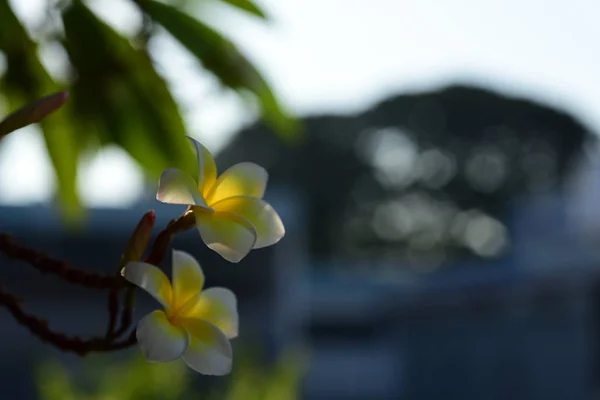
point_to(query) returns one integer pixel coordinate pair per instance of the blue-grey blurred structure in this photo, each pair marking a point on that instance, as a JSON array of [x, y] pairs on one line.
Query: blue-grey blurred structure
[[522, 327]]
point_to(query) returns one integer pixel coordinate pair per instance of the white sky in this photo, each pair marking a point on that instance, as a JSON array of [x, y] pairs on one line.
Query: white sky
[[342, 56]]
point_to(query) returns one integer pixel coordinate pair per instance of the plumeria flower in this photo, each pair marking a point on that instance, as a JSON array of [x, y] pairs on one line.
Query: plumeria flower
[[196, 324], [230, 214]]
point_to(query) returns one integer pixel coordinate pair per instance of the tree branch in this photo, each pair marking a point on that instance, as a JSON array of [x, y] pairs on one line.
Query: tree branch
[[39, 327], [45, 264], [63, 269]]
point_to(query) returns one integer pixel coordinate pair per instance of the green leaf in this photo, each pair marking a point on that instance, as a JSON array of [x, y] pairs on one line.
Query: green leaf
[[248, 6], [221, 57], [32, 113], [121, 92], [25, 81], [53, 382], [284, 382]]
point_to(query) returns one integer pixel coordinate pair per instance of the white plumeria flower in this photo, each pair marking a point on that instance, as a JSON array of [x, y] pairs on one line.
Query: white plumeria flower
[[196, 324], [230, 214]]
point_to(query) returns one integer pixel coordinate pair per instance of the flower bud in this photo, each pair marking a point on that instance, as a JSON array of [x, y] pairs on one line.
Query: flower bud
[[137, 243]]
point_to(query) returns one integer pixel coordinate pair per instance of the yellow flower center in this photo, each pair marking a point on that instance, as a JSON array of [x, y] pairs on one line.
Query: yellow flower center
[[196, 307]]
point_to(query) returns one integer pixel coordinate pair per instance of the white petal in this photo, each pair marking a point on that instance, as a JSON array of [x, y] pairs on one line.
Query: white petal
[[188, 278], [265, 220], [243, 179], [151, 279], [216, 305], [207, 169], [224, 310], [159, 340], [209, 351], [228, 234], [177, 187]]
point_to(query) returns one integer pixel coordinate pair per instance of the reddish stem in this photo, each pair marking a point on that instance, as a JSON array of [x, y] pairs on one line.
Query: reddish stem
[[39, 327]]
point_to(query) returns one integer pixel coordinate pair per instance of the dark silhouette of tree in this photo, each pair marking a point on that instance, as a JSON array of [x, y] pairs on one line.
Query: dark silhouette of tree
[[426, 174]]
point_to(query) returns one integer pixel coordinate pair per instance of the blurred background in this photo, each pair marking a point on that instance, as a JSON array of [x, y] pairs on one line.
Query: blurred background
[[435, 163]]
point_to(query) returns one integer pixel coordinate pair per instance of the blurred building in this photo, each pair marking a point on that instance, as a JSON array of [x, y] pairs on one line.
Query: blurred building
[[523, 326]]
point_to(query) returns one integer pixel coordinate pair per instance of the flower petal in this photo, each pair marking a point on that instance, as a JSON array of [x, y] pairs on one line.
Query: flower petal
[[177, 187], [151, 279], [243, 179], [159, 340], [188, 278], [209, 351], [265, 220], [218, 306], [228, 234], [207, 169]]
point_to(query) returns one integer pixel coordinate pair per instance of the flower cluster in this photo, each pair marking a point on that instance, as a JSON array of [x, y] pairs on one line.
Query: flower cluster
[[232, 219], [231, 215]]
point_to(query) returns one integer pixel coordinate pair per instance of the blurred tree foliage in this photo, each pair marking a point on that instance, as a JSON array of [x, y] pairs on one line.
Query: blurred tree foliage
[[32, 113], [117, 94], [104, 377], [420, 176]]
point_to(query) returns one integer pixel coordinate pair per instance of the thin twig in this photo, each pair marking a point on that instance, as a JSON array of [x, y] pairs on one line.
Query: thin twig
[[127, 314], [161, 244], [113, 311]]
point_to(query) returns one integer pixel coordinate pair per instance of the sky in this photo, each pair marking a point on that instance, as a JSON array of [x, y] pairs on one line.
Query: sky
[[338, 56]]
